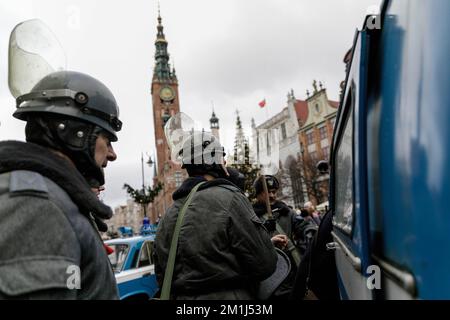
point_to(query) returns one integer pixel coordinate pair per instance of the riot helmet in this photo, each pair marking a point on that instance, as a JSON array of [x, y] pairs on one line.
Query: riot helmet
[[67, 111], [202, 153]]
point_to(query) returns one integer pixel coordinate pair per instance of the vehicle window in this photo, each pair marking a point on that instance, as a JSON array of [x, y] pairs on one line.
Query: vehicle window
[[135, 259], [145, 258], [119, 256], [343, 191]]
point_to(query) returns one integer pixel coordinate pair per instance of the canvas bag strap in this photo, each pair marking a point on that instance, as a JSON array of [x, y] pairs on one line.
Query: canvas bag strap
[[167, 283], [290, 247]]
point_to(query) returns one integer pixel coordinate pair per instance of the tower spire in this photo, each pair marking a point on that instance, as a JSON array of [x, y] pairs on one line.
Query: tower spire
[[240, 142], [214, 122], [162, 70]]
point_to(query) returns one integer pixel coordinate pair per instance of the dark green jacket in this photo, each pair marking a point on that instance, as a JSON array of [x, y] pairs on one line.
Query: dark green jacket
[[223, 250]]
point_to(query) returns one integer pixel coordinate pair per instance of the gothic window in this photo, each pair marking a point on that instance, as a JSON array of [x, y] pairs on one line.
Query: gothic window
[[283, 131]]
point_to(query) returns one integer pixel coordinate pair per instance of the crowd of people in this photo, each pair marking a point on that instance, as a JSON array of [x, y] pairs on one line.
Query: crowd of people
[[212, 243]]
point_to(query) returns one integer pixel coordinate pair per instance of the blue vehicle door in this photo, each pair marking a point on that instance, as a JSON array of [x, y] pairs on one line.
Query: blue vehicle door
[[348, 187], [147, 268]]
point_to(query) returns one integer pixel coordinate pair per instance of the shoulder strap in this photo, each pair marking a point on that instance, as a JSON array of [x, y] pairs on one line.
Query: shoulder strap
[[167, 283], [290, 246], [23, 180]]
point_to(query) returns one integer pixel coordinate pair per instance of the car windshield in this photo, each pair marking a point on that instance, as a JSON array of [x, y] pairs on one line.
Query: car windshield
[[118, 257]]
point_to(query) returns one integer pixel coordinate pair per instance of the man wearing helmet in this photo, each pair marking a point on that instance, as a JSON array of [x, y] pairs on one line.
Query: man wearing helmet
[[223, 248], [284, 221], [49, 217]]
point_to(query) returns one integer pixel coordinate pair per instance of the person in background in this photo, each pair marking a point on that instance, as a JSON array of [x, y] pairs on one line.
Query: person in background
[[283, 222]]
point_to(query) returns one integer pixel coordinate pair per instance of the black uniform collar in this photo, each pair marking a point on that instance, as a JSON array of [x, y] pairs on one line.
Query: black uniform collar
[[191, 182]]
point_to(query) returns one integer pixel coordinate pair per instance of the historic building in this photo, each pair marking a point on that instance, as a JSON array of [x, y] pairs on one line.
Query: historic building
[[278, 138], [303, 131], [166, 103], [129, 215], [315, 135]]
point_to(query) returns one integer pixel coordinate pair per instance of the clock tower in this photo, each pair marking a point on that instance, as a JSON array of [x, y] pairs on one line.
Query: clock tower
[[165, 101]]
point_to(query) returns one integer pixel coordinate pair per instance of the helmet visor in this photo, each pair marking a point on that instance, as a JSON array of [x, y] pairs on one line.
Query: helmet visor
[[34, 52]]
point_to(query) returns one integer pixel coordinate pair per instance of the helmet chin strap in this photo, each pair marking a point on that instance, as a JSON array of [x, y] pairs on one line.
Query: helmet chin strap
[[87, 166]]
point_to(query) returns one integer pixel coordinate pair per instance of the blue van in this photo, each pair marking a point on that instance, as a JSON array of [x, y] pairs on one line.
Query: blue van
[[390, 157], [133, 266]]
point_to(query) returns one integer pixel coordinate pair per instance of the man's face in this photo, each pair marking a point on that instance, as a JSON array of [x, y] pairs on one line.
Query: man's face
[[272, 196], [104, 151]]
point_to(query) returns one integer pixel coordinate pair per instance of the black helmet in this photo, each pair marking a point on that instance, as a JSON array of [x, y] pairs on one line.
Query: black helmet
[[202, 153], [66, 111], [72, 94], [272, 183]]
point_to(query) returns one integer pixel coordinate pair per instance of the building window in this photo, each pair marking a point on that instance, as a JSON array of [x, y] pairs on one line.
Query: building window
[[257, 144], [317, 108], [178, 179], [283, 131], [332, 121], [268, 143], [309, 137], [326, 152], [323, 133]]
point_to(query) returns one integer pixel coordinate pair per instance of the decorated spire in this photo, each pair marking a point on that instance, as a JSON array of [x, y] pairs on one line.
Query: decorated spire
[[162, 71], [214, 121], [240, 143]]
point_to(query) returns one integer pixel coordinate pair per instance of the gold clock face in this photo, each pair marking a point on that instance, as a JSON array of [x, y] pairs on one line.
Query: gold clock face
[[167, 94]]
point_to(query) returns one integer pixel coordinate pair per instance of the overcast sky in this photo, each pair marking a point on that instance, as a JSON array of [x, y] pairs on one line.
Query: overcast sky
[[232, 53]]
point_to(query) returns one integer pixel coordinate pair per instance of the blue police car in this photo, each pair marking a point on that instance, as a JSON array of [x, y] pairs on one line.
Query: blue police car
[[133, 266]]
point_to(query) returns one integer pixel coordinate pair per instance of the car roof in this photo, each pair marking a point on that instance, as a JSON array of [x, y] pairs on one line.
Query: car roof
[[130, 240]]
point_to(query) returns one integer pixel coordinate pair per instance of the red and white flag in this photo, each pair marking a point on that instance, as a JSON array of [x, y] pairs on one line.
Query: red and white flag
[[262, 103]]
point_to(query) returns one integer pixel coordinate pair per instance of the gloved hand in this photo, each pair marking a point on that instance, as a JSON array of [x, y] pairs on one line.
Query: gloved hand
[[270, 224]]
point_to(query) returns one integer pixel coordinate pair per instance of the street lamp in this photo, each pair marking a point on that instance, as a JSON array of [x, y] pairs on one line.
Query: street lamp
[[150, 162], [143, 184]]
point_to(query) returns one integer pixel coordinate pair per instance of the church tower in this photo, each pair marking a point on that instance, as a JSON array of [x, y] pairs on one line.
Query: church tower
[[165, 101], [214, 125]]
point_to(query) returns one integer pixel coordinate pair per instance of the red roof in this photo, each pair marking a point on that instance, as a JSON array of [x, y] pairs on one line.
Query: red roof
[[301, 108], [334, 104]]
